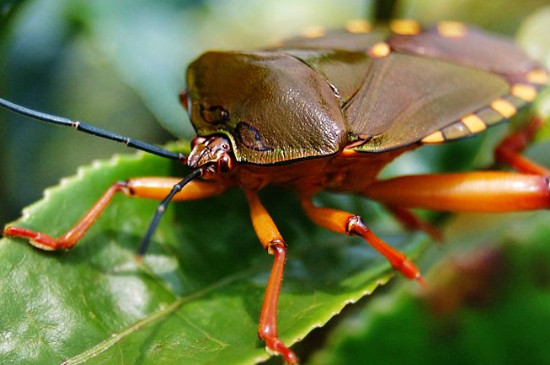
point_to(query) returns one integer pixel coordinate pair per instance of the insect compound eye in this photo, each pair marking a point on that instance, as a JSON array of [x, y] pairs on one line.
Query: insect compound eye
[[214, 114]]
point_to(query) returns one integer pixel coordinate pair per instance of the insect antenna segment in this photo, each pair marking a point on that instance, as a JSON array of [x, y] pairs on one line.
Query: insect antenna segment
[[90, 129]]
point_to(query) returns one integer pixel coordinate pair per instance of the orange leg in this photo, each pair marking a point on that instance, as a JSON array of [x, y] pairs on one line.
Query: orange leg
[[273, 242], [145, 187], [508, 151], [343, 222], [488, 191]]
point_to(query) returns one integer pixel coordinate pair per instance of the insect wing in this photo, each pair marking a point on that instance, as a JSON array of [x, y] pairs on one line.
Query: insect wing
[[494, 80], [345, 71], [335, 40], [471, 47], [405, 98]]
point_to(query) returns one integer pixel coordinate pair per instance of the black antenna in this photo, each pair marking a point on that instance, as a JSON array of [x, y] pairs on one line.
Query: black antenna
[[90, 129], [162, 208]]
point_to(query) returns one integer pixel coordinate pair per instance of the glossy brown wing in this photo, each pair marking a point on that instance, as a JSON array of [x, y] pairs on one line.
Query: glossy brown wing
[[340, 56], [405, 98], [341, 40], [469, 47], [343, 70], [443, 83], [447, 82]]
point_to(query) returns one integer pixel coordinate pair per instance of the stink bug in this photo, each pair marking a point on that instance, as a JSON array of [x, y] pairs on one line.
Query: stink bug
[[328, 112]]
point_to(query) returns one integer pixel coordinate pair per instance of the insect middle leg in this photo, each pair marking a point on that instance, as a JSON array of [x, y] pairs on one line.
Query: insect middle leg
[[347, 223], [273, 242], [145, 187]]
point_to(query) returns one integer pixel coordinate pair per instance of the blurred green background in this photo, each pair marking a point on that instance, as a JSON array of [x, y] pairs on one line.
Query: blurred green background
[[120, 64]]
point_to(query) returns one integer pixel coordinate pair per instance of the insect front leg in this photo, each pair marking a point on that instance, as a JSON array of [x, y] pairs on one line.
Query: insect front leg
[[347, 223], [273, 242], [145, 187]]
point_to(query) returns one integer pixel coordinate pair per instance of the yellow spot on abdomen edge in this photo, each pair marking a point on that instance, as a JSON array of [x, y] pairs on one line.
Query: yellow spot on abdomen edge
[[358, 26], [524, 92], [474, 123], [504, 108], [405, 27], [380, 50], [314, 31], [537, 77], [435, 137], [451, 29]]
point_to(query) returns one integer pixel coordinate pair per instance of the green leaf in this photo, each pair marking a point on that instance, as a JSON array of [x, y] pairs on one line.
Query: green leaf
[[197, 296]]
